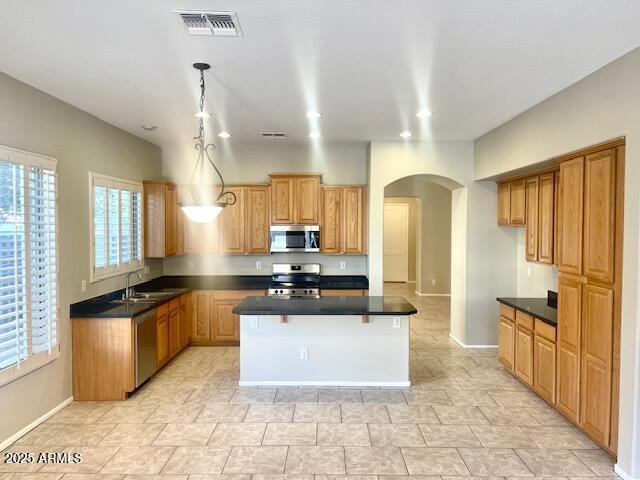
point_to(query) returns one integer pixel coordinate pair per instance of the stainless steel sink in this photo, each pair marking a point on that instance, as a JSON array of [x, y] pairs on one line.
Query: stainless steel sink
[[145, 297], [134, 300]]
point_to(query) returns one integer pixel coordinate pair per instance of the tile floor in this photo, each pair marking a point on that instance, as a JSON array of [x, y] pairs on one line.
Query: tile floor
[[464, 416]]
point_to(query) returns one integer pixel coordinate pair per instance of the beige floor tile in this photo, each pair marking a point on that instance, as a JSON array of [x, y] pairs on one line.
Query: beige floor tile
[[554, 462], [86, 435], [228, 476], [412, 477], [439, 383], [484, 462], [337, 396], [597, 460], [297, 395], [33, 476], [270, 413], [132, 435], [547, 416], [93, 459], [478, 383], [395, 435], [217, 412], [503, 436], [127, 413], [454, 436], [252, 396], [40, 434], [433, 461], [343, 434], [412, 414], [470, 398], [365, 414], [316, 460], [80, 412], [232, 434], [374, 461], [94, 476], [558, 437], [352, 477], [197, 460], [518, 416], [317, 413], [209, 396], [460, 415], [290, 434], [427, 397], [184, 434], [174, 414], [281, 477], [516, 399], [382, 395], [140, 460], [262, 460]]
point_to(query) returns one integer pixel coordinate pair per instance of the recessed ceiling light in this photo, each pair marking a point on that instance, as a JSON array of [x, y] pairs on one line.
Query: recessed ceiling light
[[148, 128], [314, 114], [405, 134], [224, 134], [314, 135], [202, 115], [423, 113]]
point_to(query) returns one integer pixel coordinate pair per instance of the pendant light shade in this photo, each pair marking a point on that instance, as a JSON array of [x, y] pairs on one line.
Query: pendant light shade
[[197, 206]]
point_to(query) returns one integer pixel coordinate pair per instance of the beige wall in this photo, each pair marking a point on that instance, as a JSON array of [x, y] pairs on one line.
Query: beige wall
[[435, 234], [36, 122], [602, 106], [252, 163]]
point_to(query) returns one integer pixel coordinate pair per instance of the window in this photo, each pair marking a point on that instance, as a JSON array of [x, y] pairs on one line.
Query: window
[[116, 226], [28, 262]]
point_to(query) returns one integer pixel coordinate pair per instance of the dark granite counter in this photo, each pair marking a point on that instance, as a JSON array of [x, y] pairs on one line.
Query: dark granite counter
[[325, 306], [536, 307], [107, 306]]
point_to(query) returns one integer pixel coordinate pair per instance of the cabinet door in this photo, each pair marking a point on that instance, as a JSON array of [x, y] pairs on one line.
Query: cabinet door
[[200, 313], [170, 215], [518, 203], [506, 342], [225, 324], [330, 219], [524, 355], [257, 216], [281, 200], [232, 224], [556, 207], [201, 238], [174, 333], [544, 368], [597, 362], [162, 340], [546, 204], [570, 216], [504, 203], [532, 219], [599, 215], [568, 345], [307, 191], [353, 220], [342, 293], [185, 321]]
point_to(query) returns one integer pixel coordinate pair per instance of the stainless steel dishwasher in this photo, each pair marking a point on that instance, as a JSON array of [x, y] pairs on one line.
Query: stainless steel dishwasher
[[146, 340]]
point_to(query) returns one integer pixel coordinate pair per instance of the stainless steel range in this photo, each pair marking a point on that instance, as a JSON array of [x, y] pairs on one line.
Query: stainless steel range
[[295, 280]]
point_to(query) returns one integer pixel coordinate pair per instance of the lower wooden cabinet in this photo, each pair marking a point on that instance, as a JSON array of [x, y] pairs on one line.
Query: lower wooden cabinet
[[544, 368], [569, 334], [225, 325], [506, 342], [174, 327], [200, 314], [524, 355], [185, 321], [344, 293], [162, 336]]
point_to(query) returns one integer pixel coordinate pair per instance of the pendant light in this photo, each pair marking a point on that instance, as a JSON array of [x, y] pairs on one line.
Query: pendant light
[[199, 205]]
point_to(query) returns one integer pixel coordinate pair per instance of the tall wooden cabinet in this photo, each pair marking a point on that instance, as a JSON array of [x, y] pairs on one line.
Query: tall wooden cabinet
[[546, 217], [343, 219], [160, 219]]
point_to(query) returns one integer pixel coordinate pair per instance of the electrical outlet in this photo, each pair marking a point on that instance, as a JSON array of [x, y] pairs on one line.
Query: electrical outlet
[[254, 322], [191, 265], [258, 265], [433, 281], [304, 353], [146, 270], [343, 264], [528, 271], [397, 322], [83, 285]]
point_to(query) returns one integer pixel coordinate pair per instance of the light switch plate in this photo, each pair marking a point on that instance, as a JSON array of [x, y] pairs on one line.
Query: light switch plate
[[258, 265], [304, 354], [254, 321], [83, 285], [343, 264]]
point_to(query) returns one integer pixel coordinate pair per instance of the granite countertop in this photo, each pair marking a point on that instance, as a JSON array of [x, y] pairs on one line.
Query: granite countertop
[[536, 307], [325, 306], [107, 306]]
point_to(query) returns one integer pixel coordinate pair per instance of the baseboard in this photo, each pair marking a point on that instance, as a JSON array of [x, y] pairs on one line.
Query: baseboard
[[5, 443], [310, 383], [432, 294], [624, 475], [464, 345]]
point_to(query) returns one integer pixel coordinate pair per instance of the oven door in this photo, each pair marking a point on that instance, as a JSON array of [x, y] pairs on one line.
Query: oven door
[[295, 238]]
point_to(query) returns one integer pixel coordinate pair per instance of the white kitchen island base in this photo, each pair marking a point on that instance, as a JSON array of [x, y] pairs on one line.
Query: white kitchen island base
[[340, 350]]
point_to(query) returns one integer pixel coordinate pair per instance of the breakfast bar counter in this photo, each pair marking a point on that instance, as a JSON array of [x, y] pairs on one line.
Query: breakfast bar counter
[[326, 341]]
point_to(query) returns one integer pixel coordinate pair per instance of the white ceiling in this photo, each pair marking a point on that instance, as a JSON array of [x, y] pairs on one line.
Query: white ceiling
[[368, 65]]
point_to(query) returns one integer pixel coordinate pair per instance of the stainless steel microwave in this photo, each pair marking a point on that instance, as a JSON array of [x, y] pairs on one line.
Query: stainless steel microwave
[[295, 238]]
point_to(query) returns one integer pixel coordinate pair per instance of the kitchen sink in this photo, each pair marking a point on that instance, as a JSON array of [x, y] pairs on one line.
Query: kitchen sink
[[145, 297]]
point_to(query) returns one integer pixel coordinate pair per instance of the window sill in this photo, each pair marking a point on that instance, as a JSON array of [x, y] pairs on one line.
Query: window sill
[[27, 366], [103, 275]]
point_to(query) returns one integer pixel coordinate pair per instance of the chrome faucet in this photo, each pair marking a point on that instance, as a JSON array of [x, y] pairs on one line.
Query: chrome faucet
[[129, 291]]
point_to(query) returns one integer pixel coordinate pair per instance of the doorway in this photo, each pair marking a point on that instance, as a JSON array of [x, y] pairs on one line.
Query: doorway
[[396, 242]]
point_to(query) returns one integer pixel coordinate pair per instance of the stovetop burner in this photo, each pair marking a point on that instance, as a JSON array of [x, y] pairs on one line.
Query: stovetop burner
[[295, 280]]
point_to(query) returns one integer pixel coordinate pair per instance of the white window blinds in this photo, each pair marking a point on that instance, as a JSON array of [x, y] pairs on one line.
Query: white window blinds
[[116, 226], [28, 262]]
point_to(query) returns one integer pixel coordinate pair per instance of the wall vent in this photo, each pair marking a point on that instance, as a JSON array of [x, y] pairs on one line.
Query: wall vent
[[273, 135], [221, 24]]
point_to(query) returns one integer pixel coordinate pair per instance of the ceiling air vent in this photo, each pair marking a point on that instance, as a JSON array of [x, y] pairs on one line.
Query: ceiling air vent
[[273, 135], [222, 24]]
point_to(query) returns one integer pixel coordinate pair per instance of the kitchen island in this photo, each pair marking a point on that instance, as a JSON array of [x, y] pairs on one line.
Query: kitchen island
[[326, 341]]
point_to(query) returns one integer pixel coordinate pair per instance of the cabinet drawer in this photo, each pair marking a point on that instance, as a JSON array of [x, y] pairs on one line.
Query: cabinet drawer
[[507, 312], [523, 320], [545, 330]]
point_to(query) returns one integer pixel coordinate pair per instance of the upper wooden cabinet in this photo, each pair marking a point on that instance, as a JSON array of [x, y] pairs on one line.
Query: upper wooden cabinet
[[257, 219], [504, 203], [570, 216], [546, 217], [295, 199], [232, 223], [532, 218], [160, 219], [512, 203], [343, 220]]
